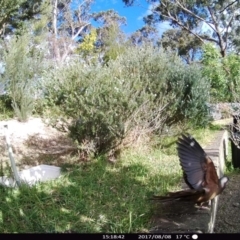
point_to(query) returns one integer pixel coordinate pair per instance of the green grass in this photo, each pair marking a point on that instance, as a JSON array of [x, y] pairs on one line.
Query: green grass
[[203, 136], [92, 197], [96, 196]]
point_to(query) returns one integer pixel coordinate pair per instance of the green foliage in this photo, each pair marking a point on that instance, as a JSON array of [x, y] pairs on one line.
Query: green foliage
[[213, 69], [114, 44], [223, 73], [111, 39], [192, 95], [6, 110], [144, 35], [172, 89], [113, 52], [231, 65], [186, 45], [88, 44], [94, 102], [14, 14], [23, 64], [8, 8], [145, 88]]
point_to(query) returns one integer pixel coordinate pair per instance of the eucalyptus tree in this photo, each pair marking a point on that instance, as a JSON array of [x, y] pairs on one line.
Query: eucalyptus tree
[[110, 37], [14, 13], [182, 42], [215, 21], [69, 21], [145, 34]]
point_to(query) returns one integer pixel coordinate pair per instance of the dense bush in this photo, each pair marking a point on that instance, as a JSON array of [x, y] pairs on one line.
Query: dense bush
[[6, 110], [23, 63], [145, 88], [192, 91], [223, 74]]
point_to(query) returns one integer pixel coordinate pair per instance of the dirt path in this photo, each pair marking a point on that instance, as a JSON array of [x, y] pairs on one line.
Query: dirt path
[[228, 214], [34, 142]]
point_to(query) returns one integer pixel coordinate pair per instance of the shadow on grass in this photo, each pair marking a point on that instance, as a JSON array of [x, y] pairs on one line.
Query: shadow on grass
[[88, 198]]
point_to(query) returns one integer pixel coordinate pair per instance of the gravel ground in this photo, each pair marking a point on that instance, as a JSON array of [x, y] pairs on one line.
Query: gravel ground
[[228, 214]]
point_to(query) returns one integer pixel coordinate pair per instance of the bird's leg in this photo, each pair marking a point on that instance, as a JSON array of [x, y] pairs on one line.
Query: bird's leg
[[201, 207]]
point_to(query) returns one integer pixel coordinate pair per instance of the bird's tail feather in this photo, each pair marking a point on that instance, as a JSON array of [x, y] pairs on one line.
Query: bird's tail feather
[[183, 195]]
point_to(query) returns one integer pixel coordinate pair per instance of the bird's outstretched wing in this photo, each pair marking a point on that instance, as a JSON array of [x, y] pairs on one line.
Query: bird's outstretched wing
[[199, 173], [198, 168]]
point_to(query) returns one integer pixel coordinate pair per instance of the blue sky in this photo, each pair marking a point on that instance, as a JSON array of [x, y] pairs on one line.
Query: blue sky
[[134, 14]]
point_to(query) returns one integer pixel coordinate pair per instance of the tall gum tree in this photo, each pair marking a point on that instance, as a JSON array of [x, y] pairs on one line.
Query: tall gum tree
[[70, 20], [213, 21]]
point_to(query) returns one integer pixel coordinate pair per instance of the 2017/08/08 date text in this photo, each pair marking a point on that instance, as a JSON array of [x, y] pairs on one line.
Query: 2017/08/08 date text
[[155, 236]]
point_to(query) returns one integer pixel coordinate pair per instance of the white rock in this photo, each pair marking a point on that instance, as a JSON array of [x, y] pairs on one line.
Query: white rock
[[34, 175]]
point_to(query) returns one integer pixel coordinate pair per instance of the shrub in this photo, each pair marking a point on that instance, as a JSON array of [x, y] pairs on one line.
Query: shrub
[[223, 74], [23, 66], [145, 88], [6, 110], [192, 94], [173, 90], [95, 103]]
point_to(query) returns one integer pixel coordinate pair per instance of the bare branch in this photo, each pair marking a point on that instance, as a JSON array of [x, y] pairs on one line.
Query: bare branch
[[80, 30], [55, 32], [194, 15], [227, 30], [214, 20], [221, 42], [205, 37], [68, 25], [230, 4], [183, 26], [175, 19]]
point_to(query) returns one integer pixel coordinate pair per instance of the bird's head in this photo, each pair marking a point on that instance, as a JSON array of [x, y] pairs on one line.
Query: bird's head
[[223, 181]]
